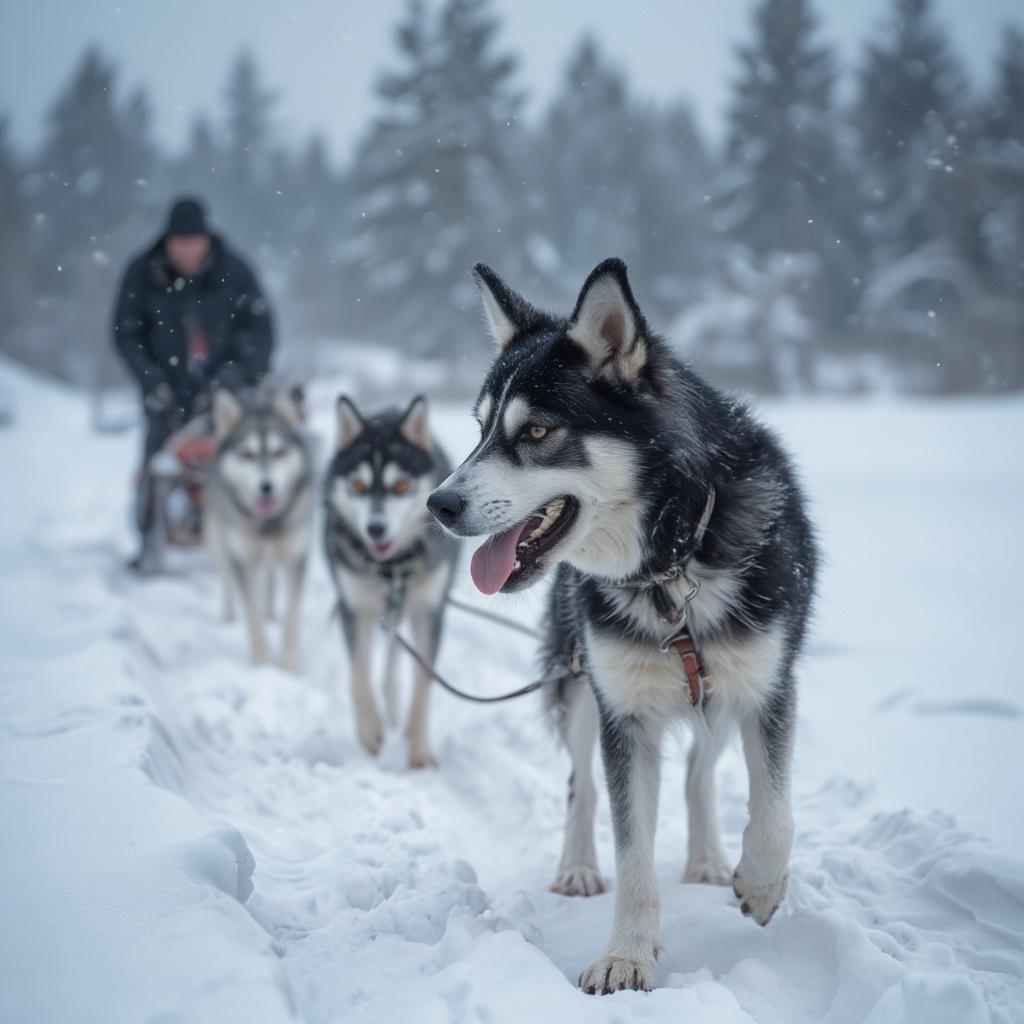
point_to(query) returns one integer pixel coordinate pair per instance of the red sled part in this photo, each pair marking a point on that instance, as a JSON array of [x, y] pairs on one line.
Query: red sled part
[[195, 452]]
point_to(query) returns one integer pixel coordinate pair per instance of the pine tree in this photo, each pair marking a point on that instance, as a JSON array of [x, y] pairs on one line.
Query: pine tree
[[784, 188], [90, 204], [590, 190], [201, 169], [432, 189], [247, 153], [1000, 160], [92, 172], [1005, 119], [673, 246], [618, 179], [318, 213], [15, 269], [910, 116]]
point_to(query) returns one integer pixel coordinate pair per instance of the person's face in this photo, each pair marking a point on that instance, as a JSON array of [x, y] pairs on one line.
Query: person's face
[[188, 253]]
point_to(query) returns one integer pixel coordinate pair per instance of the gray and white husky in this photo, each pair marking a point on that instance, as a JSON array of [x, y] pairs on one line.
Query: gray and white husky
[[258, 512], [387, 558], [685, 573]]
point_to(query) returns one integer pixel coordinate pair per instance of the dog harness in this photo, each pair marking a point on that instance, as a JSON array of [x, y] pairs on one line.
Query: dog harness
[[676, 616]]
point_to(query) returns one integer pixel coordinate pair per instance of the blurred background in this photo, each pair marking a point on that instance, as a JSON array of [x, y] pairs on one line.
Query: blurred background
[[812, 197]]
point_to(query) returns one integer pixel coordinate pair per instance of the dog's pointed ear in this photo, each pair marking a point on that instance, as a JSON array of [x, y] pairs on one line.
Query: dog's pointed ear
[[227, 413], [415, 426], [287, 408], [608, 325], [350, 423], [508, 313]]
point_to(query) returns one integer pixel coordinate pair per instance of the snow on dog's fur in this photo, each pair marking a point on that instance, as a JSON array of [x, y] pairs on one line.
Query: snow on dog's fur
[[605, 458]]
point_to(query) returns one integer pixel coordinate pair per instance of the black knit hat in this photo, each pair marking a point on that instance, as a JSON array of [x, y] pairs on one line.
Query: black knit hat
[[187, 217]]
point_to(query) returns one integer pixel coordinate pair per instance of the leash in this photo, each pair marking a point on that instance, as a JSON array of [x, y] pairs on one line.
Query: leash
[[454, 690], [501, 620], [680, 640], [393, 614]]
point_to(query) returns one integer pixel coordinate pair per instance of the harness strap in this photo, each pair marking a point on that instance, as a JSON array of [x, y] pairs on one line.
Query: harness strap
[[680, 639], [693, 667]]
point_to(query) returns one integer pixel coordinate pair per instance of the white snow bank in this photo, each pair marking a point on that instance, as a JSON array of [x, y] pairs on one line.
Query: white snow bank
[[118, 901], [396, 896]]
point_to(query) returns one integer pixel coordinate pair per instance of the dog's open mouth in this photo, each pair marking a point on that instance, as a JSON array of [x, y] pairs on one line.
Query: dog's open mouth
[[380, 549], [267, 506], [507, 560]]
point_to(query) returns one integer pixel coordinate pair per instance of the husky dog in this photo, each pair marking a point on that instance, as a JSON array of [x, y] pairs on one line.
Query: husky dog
[[385, 555], [258, 512], [685, 573]]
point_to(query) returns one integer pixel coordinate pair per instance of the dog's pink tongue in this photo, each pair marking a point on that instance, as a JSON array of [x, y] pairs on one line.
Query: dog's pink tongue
[[493, 561]]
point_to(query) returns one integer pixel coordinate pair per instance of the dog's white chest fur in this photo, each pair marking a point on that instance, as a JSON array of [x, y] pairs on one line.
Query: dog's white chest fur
[[368, 593], [637, 679]]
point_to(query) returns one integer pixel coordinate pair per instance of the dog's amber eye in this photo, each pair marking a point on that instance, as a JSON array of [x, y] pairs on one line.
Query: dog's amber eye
[[358, 486], [537, 432], [400, 486], [249, 456], [278, 453]]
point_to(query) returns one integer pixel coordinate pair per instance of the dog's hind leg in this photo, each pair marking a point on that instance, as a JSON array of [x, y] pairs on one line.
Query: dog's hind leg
[[577, 873], [763, 873], [295, 574], [706, 860], [426, 630], [631, 750]]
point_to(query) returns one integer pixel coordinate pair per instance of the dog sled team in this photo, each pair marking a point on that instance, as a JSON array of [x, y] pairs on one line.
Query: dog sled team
[[670, 523]]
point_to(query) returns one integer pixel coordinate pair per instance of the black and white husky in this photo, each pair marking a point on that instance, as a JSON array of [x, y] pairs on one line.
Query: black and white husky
[[258, 511], [387, 558], [685, 575]]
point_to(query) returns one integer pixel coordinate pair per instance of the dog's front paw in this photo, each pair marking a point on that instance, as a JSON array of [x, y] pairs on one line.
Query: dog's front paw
[[708, 871], [609, 974], [369, 730], [578, 880], [421, 758], [759, 901]]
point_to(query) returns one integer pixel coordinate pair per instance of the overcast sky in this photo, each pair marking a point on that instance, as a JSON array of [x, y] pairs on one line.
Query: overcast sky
[[324, 55]]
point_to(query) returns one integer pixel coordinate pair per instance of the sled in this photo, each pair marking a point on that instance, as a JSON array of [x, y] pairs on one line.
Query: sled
[[176, 476]]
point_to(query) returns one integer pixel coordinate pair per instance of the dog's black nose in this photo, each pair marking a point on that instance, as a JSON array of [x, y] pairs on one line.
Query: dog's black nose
[[266, 487], [376, 530], [446, 505]]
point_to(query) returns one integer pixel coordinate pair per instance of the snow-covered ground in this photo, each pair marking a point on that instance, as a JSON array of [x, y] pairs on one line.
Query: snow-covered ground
[[183, 838]]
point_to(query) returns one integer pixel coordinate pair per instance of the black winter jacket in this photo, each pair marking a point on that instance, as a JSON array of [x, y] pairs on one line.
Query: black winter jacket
[[157, 311]]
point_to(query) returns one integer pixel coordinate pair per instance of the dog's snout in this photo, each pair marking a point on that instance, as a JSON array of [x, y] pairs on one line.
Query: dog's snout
[[266, 488], [446, 504], [376, 529]]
